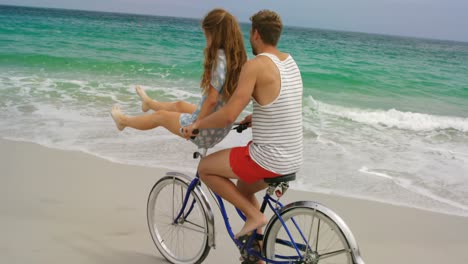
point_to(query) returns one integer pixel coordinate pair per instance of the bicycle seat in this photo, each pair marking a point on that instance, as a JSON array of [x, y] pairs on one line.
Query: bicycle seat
[[281, 178]]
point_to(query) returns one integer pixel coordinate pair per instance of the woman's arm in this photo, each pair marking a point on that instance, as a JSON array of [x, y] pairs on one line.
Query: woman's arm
[[209, 104], [232, 109]]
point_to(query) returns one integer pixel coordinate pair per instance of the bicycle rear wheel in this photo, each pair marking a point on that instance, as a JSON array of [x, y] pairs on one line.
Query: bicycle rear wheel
[[318, 237], [184, 240]]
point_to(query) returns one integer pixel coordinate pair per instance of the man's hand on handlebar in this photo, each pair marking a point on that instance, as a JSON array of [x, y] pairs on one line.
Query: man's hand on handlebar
[[247, 120], [191, 131]]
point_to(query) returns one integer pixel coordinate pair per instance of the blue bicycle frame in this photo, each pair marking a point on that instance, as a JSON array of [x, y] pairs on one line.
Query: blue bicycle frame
[[274, 205]]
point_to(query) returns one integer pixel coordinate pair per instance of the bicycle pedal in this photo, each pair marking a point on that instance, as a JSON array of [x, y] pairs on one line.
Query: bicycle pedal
[[247, 258], [250, 261], [243, 240]]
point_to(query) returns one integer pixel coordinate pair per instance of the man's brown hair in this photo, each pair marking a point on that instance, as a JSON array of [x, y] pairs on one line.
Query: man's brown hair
[[268, 24]]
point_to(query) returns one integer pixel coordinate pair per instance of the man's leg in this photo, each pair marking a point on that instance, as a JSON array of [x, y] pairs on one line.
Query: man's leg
[[215, 171], [249, 190]]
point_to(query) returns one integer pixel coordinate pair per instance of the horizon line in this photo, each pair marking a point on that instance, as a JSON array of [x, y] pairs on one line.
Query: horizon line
[[246, 22]]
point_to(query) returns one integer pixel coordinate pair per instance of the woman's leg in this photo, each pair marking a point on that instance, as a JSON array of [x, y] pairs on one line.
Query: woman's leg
[[148, 103], [166, 119]]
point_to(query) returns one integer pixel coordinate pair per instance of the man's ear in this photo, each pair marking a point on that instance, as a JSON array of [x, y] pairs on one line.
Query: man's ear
[[256, 35]]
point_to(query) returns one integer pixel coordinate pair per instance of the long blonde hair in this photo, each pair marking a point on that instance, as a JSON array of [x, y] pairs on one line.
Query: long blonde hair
[[225, 34]]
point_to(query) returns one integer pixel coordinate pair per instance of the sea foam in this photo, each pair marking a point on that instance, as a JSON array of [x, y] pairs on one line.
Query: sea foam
[[392, 118]]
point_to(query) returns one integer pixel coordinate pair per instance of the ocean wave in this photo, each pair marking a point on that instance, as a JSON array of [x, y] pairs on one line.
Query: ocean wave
[[391, 118], [43, 90]]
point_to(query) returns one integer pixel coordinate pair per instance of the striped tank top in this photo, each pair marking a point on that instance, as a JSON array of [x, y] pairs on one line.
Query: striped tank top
[[277, 127]]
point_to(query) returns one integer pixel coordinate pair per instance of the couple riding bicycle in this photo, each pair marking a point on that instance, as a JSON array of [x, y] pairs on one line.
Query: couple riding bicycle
[[271, 80]]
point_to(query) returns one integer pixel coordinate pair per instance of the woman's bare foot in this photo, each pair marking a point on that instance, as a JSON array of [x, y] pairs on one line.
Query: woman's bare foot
[[117, 116], [144, 98], [251, 224]]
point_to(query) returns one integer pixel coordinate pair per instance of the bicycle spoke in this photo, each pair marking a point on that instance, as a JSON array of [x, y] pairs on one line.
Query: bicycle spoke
[[164, 217], [333, 253], [173, 197], [193, 229], [311, 229], [317, 238], [182, 195], [171, 230], [332, 241], [190, 222]]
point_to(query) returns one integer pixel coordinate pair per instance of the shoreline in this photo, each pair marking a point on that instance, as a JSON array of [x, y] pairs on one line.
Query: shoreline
[[166, 168], [68, 206]]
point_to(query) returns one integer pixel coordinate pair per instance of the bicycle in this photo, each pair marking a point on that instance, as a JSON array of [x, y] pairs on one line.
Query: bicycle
[[182, 225]]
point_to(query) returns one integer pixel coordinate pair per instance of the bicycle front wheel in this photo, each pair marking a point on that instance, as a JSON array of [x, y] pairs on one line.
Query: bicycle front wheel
[[180, 240], [307, 236]]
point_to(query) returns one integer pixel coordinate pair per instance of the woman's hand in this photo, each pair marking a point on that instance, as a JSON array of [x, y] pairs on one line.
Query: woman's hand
[[190, 131]]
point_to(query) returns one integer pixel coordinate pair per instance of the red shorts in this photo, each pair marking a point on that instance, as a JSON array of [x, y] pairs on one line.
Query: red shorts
[[245, 167]]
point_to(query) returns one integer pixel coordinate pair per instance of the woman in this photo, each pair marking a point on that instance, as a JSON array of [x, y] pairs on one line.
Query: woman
[[224, 56]]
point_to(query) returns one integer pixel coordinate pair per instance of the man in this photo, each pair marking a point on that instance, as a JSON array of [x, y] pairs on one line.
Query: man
[[274, 82]]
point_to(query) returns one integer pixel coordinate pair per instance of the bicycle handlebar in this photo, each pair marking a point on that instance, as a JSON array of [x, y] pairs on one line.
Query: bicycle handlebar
[[237, 126], [195, 132], [241, 127]]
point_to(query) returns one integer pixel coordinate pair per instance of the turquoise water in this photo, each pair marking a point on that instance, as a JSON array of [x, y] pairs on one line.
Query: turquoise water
[[385, 118]]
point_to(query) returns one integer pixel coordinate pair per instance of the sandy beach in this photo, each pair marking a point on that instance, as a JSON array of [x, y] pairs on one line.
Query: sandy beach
[[69, 207]]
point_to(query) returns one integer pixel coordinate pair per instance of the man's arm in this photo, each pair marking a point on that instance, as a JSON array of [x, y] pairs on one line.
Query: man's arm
[[238, 101]]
